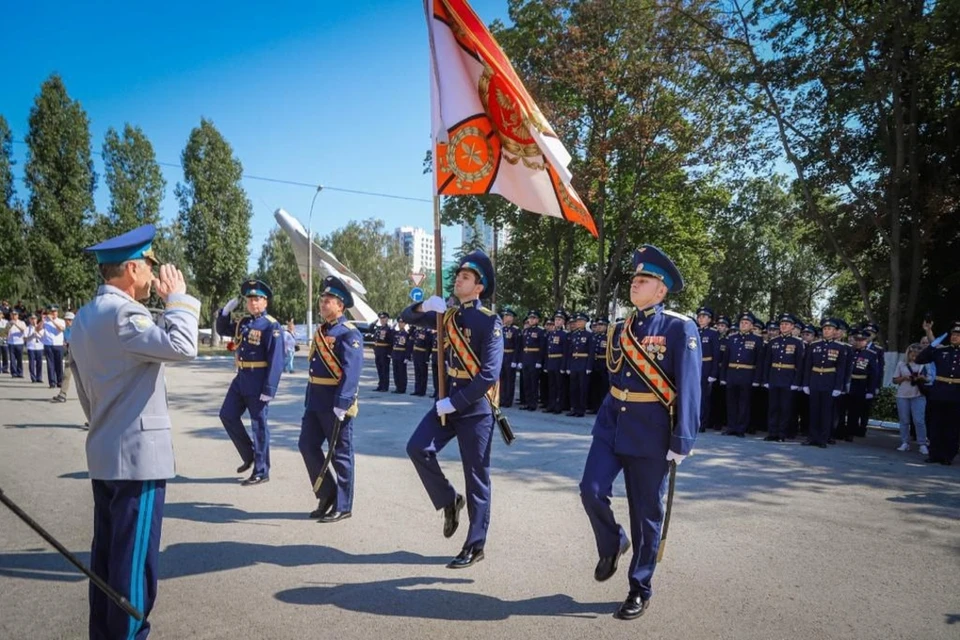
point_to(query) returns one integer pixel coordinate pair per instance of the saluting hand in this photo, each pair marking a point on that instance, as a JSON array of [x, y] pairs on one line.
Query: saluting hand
[[170, 282]]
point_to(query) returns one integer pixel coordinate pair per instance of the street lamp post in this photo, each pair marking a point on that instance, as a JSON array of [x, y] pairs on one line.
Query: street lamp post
[[310, 266]]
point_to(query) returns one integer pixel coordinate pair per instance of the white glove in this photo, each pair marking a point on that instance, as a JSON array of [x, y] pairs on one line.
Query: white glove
[[513, 365], [766, 385], [539, 366], [755, 384], [806, 390], [723, 383], [869, 396], [675, 457], [794, 387], [265, 398], [230, 306], [589, 371], [340, 413], [709, 379], [434, 303], [444, 407], [835, 393]]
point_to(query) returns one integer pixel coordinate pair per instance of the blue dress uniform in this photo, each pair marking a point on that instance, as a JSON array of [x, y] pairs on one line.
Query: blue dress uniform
[[400, 353], [599, 379], [710, 370], [472, 421], [581, 363], [512, 350], [534, 355], [382, 347], [258, 349], [842, 404], [824, 377], [556, 364], [633, 431], [782, 376], [864, 381], [741, 372], [118, 356], [943, 401], [336, 359], [718, 395], [421, 360]]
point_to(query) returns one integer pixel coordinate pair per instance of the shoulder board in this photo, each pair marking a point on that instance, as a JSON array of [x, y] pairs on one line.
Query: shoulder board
[[349, 325], [270, 318], [943, 346], [667, 312], [488, 312]]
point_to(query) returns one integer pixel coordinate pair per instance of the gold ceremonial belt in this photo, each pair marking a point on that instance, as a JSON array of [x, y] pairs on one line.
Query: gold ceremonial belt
[[399, 348], [251, 365], [633, 396], [710, 359], [531, 349], [381, 344], [419, 348], [459, 374], [326, 382], [508, 350], [948, 380], [742, 366], [555, 355], [858, 377], [777, 365], [581, 355], [822, 370]]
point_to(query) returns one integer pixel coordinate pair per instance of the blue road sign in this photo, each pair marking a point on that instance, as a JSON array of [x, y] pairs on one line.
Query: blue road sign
[[416, 294]]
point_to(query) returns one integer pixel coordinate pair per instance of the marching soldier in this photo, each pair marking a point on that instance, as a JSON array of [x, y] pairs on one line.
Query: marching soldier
[[16, 338], [556, 362], [580, 357], [741, 373], [382, 347], [52, 339], [710, 347], [421, 357], [118, 357], [823, 381], [599, 379], [402, 348], [474, 360], [512, 350], [649, 420], [534, 354], [336, 359], [258, 349], [864, 385], [943, 422], [782, 377]]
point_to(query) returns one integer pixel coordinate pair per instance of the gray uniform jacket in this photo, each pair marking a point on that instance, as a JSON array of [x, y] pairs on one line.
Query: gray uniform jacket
[[118, 354]]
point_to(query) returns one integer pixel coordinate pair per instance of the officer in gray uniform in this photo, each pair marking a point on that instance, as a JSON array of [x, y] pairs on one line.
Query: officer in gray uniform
[[117, 362]]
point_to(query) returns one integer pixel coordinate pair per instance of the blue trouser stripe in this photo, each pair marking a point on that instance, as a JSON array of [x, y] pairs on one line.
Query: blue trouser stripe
[[140, 548]]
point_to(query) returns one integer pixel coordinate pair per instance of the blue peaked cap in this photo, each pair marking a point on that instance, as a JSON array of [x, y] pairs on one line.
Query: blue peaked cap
[[132, 245], [479, 263], [333, 286], [255, 288], [648, 260]]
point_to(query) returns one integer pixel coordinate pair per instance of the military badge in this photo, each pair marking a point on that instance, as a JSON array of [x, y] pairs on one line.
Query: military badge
[[496, 333], [692, 344], [141, 323], [355, 343], [791, 348], [253, 337]]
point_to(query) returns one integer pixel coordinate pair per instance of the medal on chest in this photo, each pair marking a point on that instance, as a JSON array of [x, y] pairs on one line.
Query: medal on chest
[[656, 346]]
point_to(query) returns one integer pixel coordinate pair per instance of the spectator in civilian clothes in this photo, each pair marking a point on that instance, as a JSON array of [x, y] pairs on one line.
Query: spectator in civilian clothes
[[289, 347]]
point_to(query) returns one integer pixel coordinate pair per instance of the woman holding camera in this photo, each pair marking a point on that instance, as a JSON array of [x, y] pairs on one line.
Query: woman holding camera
[[910, 377]]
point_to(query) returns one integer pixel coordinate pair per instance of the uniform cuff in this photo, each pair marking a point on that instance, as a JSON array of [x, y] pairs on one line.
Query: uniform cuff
[[681, 445]]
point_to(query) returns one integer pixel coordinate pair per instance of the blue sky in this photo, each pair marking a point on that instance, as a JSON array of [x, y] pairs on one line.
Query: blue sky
[[334, 93]]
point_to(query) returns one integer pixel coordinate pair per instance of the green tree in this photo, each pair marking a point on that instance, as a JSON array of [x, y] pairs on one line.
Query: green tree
[[14, 266], [214, 215], [134, 178], [61, 181], [377, 259], [278, 268]]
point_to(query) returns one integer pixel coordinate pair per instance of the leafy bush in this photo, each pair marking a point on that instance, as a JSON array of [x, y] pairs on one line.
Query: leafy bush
[[885, 405]]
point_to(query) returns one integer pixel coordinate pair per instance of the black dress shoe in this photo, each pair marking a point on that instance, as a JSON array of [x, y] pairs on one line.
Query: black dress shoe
[[848, 439], [607, 565], [831, 441], [466, 558], [323, 506], [822, 446], [946, 463], [771, 439], [255, 479], [807, 443], [335, 516], [633, 607], [451, 516], [243, 468]]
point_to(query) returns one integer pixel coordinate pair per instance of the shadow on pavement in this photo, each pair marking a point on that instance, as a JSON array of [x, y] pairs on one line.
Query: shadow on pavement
[[395, 598], [76, 427]]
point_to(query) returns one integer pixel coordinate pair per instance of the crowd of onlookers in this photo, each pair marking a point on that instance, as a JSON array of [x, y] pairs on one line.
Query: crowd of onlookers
[[41, 338]]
